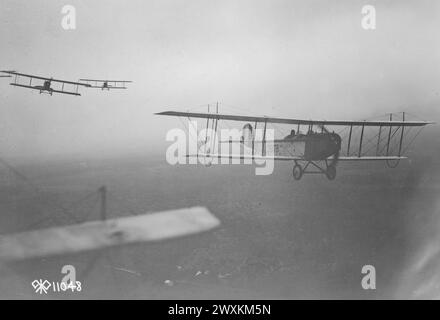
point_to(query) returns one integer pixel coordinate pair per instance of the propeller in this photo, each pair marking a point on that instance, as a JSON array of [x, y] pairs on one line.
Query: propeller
[[323, 128], [336, 140], [335, 159], [247, 135]]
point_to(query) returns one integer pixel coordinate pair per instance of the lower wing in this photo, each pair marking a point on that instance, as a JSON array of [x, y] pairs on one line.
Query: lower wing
[[109, 87], [42, 89], [289, 158]]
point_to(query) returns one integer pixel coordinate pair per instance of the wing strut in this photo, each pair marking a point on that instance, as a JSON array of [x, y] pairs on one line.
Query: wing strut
[[360, 143], [215, 130], [263, 151], [378, 141], [206, 134], [349, 140], [401, 134], [389, 135], [253, 138]]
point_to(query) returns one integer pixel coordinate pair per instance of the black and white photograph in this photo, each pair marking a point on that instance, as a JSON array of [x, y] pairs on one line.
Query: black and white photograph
[[231, 150]]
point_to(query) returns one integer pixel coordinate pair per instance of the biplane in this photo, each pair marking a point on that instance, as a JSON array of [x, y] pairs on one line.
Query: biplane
[[46, 85], [106, 84], [314, 146]]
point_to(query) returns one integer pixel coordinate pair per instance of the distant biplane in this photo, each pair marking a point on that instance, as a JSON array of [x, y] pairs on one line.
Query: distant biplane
[[6, 76], [318, 146], [106, 84], [46, 86]]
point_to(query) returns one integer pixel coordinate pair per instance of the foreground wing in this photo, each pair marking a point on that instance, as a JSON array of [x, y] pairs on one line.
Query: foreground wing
[[102, 234]]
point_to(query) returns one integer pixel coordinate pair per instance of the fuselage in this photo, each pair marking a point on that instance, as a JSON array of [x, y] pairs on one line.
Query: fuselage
[[310, 146]]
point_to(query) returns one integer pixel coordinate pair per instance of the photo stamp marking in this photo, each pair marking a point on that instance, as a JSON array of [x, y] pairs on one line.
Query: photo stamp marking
[[68, 282], [369, 280], [68, 22], [368, 21]]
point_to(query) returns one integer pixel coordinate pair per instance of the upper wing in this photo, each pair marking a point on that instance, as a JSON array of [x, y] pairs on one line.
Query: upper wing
[[293, 121], [44, 78], [95, 80]]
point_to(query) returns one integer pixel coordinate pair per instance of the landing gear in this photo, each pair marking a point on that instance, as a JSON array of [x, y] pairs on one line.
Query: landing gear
[[392, 164], [297, 171], [329, 171]]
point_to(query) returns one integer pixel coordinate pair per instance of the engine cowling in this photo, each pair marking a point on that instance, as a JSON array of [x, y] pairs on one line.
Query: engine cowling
[[247, 135]]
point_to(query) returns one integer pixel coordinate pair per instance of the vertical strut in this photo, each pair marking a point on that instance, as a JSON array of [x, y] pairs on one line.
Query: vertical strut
[[211, 134], [389, 134], [230, 149], [207, 126], [349, 141], [401, 134], [253, 138], [360, 143], [263, 151], [378, 141], [215, 130]]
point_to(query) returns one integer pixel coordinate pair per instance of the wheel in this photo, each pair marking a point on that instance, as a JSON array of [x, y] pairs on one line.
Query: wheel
[[391, 164], [297, 172], [331, 172], [208, 161]]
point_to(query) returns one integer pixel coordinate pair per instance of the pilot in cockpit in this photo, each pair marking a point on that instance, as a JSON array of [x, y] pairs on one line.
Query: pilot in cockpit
[[291, 135]]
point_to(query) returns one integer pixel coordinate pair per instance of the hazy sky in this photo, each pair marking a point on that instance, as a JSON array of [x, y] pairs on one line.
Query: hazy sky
[[306, 59]]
